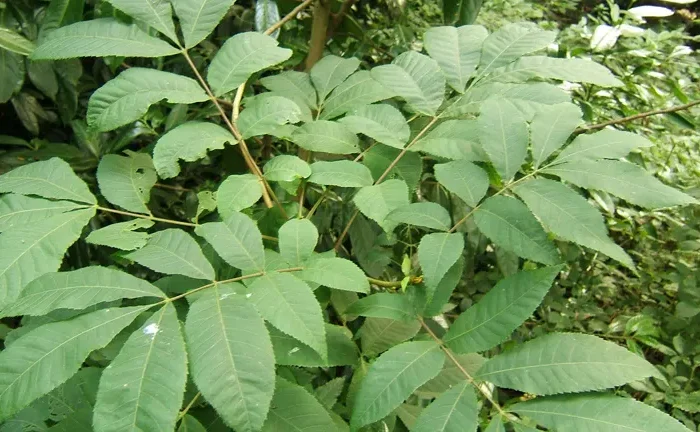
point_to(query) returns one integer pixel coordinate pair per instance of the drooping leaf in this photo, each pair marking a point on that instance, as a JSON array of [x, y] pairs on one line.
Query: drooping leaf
[[122, 235], [443, 290], [504, 136], [19, 210], [78, 289], [189, 142], [266, 14], [600, 412], [126, 181], [625, 180], [453, 139], [241, 56], [290, 306], [340, 173], [329, 72], [237, 240], [461, 11], [551, 128], [453, 411], [376, 202], [327, 137], [264, 116], [173, 251], [48, 355], [337, 273], [605, 144], [500, 311], [286, 168], [198, 18], [127, 97], [190, 424], [342, 351], [568, 215], [510, 42], [393, 378], [383, 305], [408, 168], [576, 360], [381, 122], [416, 78], [379, 334], [575, 70], [437, 253], [424, 214], [297, 240], [32, 250], [457, 51], [156, 13], [142, 388], [60, 13], [15, 42], [231, 358], [12, 72], [238, 192], [510, 225], [100, 38], [464, 179], [358, 90], [294, 85], [293, 408], [53, 178]]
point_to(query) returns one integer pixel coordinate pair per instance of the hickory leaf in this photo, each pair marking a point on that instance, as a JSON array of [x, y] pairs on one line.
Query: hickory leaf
[[126, 181], [237, 240], [53, 178]]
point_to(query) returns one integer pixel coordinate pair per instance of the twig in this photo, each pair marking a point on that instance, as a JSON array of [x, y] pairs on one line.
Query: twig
[[183, 413], [288, 17], [637, 117], [338, 18], [143, 216], [319, 31], [170, 187]]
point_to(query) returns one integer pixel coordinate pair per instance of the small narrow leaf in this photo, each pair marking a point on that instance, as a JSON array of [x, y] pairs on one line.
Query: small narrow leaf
[[340, 173], [383, 305], [342, 351], [294, 85], [266, 14], [329, 72], [337, 273], [122, 235], [238, 192], [127, 97], [424, 214], [437, 253], [457, 51], [506, 306], [376, 202], [379, 334], [19, 210], [464, 179], [358, 90], [173, 251], [327, 137], [241, 56], [575, 359], [453, 139], [189, 142], [443, 290], [265, 115], [237, 240], [12, 73], [156, 13], [511, 42], [551, 128], [297, 240], [286, 168], [53, 178], [504, 136], [574, 70], [198, 18], [393, 378], [126, 181], [510, 225], [328, 393], [453, 411], [142, 388], [293, 408], [381, 122], [605, 144]]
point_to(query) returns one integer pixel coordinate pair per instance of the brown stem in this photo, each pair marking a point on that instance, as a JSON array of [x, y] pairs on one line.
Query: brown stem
[[143, 216], [340, 16], [288, 17], [319, 30], [170, 187], [637, 116]]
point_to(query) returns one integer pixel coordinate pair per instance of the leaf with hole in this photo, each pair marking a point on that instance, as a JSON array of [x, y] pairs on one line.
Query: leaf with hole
[[122, 235], [126, 181]]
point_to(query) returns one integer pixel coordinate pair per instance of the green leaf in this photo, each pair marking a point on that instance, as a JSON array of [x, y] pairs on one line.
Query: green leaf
[[605, 144], [451, 375], [265, 115], [293, 408], [33, 250], [53, 178], [173, 251], [383, 305], [237, 240], [510, 225], [576, 360], [496, 425], [241, 56], [337, 273], [416, 78], [100, 38], [464, 179], [15, 42], [443, 290], [575, 70], [189, 142], [381, 122], [127, 97], [297, 240], [286, 168], [437, 253], [78, 289], [504, 136], [423, 214], [393, 378], [11, 74], [126, 181], [238, 192], [453, 411], [327, 137], [198, 18], [376, 202], [231, 358], [457, 51], [502, 310], [551, 128], [47, 356], [142, 388], [598, 412], [511, 42], [453, 139], [358, 90], [155, 13], [329, 72], [409, 168], [342, 351], [328, 393], [625, 180], [340, 173], [60, 13], [294, 85], [289, 304], [20, 210], [568, 215], [379, 334], [190, 424], [461, 11], [122, 235]]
